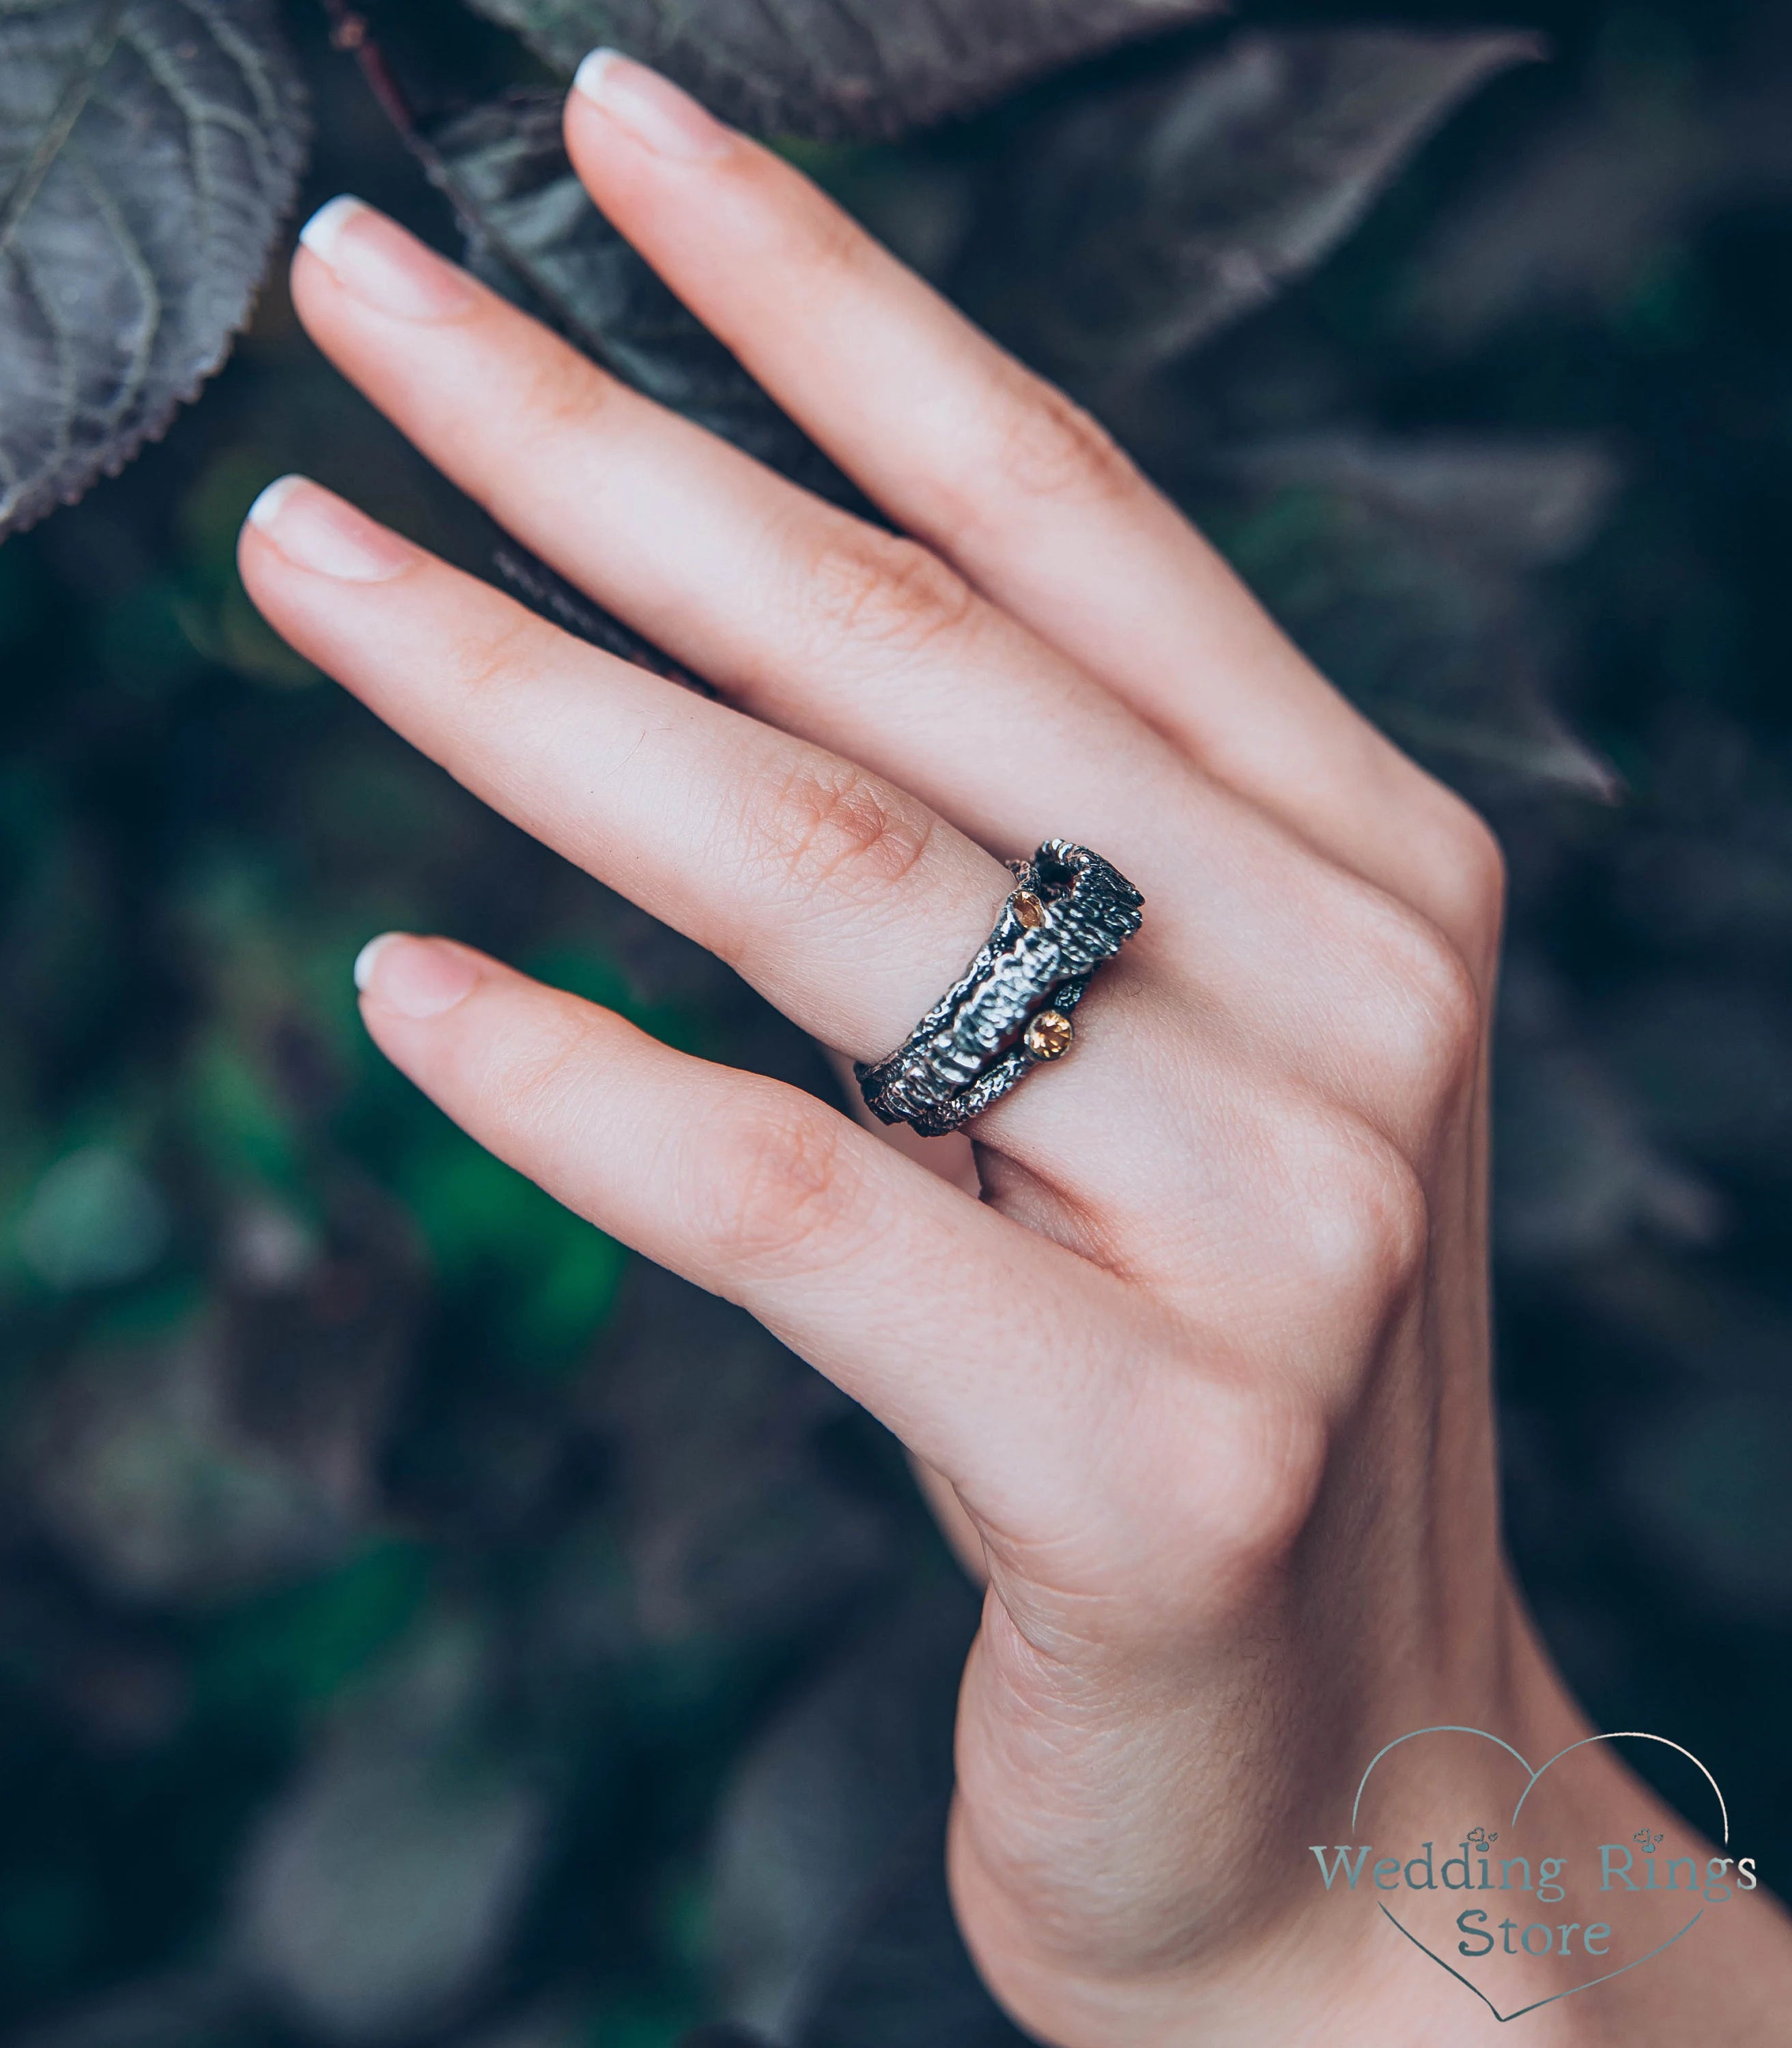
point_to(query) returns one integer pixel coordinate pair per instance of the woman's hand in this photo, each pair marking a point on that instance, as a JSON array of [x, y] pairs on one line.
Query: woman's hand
[[1207, 1366]]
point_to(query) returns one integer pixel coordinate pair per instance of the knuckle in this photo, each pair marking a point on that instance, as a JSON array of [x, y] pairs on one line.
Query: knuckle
[[1432, 1013], [1364, 1218], [826, 824], [1473, 872], [1414, 1010], [1048, 448], [797, 233], [884, 592], [559, 392], [1267, 1466], [1464, 866], [1235, 1480], [770, 1193], [496, 662]]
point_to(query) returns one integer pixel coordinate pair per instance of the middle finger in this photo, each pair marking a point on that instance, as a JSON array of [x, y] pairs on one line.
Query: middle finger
[[810, 619]]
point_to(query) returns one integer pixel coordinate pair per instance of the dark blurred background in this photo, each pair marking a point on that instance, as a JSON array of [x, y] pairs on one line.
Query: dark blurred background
[[419, 1623]]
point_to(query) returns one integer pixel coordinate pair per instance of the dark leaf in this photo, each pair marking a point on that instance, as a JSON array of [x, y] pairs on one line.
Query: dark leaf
[[105, 1675], [1593, 203], [383, 1882], [827, 69], [149, 150], [731, 1524], [383, 1887], [832, 1925], [1527, 502], [1140, 219], [533, 234], [1407, 592], [826, 1796], [907, 1976]]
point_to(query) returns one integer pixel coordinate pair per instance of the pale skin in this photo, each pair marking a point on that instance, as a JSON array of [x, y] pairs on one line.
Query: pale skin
[[1194, 1348]]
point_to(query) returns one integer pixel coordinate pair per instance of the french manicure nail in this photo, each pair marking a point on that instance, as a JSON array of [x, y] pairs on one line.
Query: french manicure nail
[[375, 259], [418, 978], [315, 529], [326, 226], [655, 111], [364, 960]]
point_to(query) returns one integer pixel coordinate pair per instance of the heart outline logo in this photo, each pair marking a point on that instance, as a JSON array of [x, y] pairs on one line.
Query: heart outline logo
[[1614, 1734]]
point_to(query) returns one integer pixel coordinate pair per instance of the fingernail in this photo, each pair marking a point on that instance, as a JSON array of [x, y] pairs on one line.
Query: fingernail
[[364, 960], [416, 977], [316, 529], [375, 259], [654, 109]]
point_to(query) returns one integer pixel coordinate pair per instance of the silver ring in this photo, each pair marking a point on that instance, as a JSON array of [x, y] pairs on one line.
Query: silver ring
[[1010, 1010]]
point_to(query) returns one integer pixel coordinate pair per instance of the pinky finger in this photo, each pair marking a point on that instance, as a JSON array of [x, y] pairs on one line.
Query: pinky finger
[[959, 1329]]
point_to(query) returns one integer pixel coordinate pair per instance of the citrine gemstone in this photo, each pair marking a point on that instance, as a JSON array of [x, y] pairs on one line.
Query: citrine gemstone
[[1029, 909], [1048, 1036]]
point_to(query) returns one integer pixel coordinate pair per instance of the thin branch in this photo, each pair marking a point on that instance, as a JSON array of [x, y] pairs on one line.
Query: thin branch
[[351, 32]]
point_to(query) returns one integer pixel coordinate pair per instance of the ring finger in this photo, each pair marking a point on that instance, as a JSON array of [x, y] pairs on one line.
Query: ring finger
[[800, 613]]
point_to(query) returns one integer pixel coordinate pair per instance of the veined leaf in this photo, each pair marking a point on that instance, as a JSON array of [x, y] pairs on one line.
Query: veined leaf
[[827, 69], [1139, 221], [149, 150], [533, 234]]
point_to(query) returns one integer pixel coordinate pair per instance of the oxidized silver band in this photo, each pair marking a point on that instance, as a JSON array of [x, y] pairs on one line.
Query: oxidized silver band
[[1010, 1011]]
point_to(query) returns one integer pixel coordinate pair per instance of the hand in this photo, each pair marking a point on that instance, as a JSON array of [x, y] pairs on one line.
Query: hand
[[1207, 1366]]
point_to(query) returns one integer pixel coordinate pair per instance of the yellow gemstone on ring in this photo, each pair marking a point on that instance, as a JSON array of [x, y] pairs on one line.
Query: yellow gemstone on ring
[[1029, 910], [1050, 1035]]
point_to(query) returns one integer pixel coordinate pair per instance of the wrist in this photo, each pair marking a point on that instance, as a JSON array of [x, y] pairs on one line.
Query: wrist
[[1335, 1967]]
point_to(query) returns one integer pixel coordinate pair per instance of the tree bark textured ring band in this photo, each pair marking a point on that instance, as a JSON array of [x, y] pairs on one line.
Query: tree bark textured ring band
[[1010, 1011]]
